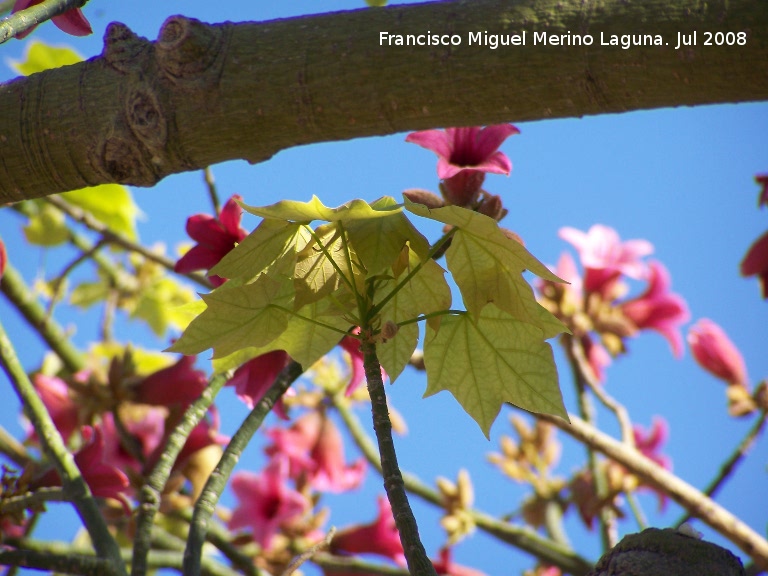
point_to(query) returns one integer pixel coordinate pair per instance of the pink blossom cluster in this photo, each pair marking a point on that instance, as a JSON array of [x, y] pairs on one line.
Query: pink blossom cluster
[[594, 304]]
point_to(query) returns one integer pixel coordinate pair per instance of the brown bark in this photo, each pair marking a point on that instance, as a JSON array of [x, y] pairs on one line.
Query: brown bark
[[202, 94], [667, 552]]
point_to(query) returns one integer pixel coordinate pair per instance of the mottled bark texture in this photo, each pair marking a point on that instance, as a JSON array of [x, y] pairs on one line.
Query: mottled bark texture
[[667, 552], [202, 94]]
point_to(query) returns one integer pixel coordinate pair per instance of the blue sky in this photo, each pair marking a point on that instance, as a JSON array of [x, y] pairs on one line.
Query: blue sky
[[681, 178]]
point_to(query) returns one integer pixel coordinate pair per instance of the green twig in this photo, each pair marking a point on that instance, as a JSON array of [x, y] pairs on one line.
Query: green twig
[[521, 537], [415, 555], [71, 559], [32, 500], [607, 518], [54, 448], [351, 565], [432, 251], [13, 449], [19, 294], [206, 503], [210, 183], [34, 15], [729, 465], [150, 495], [112, 237]]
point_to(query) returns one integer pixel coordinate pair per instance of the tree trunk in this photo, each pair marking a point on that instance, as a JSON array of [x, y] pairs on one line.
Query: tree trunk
[[667, 552], [202, 94]]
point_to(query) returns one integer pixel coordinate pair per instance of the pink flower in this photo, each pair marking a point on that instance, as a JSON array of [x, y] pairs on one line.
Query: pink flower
[[314, 448], [351, 346], [72, 21], [659, 309], [266, 502], [205, 434], [755, 262], [605, 257], [147, 433], [715, 352], [3, 258], [649, 444], [598, 357], [215, 238], [179, 384], [471, 148], [464, 156], [54, 393], [254, 378], [445, 565], [104, 479], [379, 537]]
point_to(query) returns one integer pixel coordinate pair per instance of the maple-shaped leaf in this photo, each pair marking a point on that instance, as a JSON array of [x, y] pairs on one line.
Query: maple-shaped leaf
[[271, 248], [310, 334], [239, 316], [379, 241], [294, 211], [487, 266], [490, 359], [424, 293]]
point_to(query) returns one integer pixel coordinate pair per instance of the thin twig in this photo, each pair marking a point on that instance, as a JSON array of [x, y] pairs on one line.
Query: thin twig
[[55, 449], [150, 495], [210, 183], [520, 537], [114, 238], [307, 555], [698, 504], [608, 529], [217, 481], [20, 295], [729, 465]]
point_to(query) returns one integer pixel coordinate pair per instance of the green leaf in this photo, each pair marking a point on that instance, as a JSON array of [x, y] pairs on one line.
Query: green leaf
[[86, 294], [488, 266], [293, 211], [47, 227], [110, 204], [317, 275], [305, 340], [270, 248], [41, 56], [426, 292], [491, 359], [159, 305], [238, 317], [376, 3], [379, 241]]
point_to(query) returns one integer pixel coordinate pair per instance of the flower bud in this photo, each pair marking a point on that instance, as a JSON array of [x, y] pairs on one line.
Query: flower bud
[[419, 196]]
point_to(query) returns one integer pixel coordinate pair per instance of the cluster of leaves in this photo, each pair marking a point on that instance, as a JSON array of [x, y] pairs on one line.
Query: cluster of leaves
[[299, 289]]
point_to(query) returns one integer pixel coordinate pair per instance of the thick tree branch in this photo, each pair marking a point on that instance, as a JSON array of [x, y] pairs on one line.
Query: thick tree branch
[[204, 94]]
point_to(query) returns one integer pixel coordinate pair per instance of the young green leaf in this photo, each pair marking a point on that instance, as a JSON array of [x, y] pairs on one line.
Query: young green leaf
[[491, 359], [426, 292], [40, 56], [378, 241], [110, 204], [293, 211], [324, 264], [310, 334], [270, 248], [238, 317]]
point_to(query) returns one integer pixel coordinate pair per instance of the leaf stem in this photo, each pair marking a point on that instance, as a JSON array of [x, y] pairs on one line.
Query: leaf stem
[[310, 320], [206, 503], [432, 251], [54, 448]]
